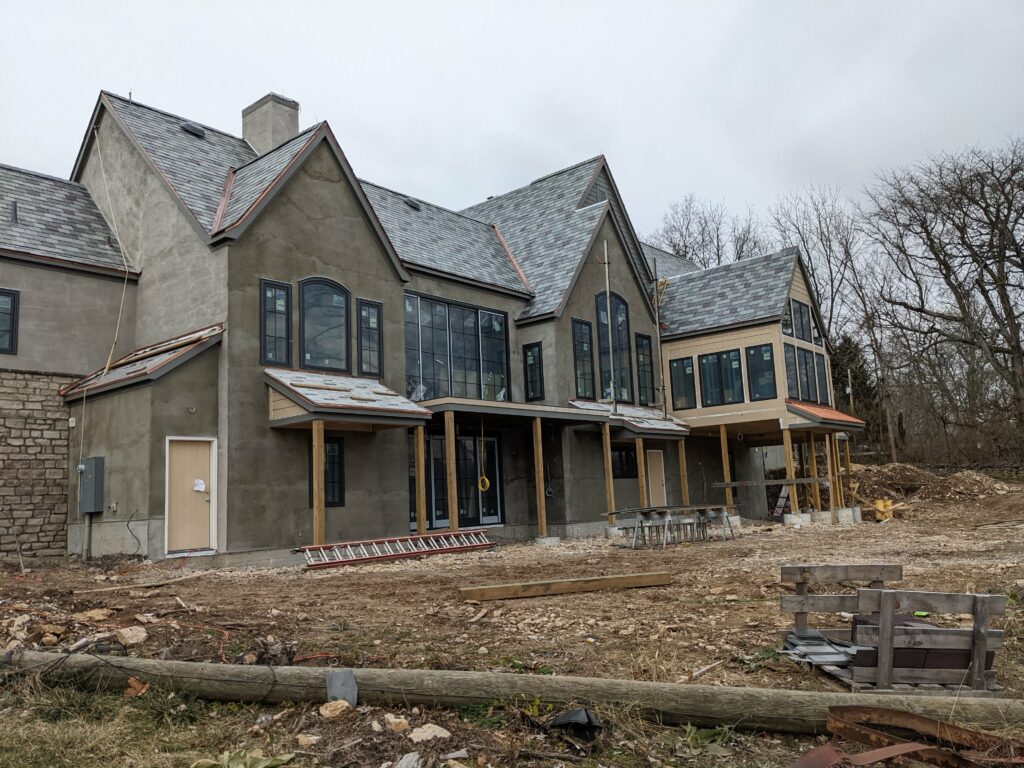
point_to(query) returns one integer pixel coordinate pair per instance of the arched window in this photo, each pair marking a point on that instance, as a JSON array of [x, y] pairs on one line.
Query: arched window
[[323, 325], [619, 350]]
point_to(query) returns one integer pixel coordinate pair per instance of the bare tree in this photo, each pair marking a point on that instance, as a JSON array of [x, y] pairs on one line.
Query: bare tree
[[707, 234]]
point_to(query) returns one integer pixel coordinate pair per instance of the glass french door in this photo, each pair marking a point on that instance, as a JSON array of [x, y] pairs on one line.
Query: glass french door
[[474, 457]]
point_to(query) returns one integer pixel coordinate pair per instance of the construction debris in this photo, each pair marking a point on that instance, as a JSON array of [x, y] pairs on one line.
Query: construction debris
[[565, 586], [905, 481]]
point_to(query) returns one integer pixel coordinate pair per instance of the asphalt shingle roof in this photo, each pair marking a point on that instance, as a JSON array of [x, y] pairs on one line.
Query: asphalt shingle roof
[[443, 240], [669, 265], [55, 218], [252, 179], [195, 167], [545, 231], [741, 293]]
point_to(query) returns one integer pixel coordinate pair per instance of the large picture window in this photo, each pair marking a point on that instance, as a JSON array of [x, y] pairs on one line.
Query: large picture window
[[619, 348], [808, 381], [465, 336], [761, 372], [721, 378], [370, 338], [533, 371], [792, 375], [583, 359], [819, 366], [644, 369], [8, 322], [275, 323], [323, 325], [684, 388]]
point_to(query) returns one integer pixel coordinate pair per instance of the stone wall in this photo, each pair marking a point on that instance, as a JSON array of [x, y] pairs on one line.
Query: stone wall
[[33, 463]]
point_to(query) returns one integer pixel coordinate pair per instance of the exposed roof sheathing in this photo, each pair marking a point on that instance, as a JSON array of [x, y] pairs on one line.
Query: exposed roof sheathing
[[342, 394], [636, 418]]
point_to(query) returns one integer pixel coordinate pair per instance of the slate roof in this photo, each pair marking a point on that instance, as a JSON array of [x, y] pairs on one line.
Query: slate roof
[[56, 219], [443, 240], [195, 167], [669, 265], [145, 364], [742, 293], [252, 179], [545, 231], [343, 394]]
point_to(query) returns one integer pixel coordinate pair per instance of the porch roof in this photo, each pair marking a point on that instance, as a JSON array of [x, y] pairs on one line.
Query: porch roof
[[823, 415], [639, 419], [505, 408], [314, 395]]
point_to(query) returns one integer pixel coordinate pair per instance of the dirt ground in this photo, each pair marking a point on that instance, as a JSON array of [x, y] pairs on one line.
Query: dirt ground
[[721, 607]]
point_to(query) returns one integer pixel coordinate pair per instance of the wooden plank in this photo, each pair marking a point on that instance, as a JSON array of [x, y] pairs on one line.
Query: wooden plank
[[840, 495], [768, 482], [609, 484], [450, 470], [419, 452], [886, 620], [684, 481], [831, 476], [538, 478], [834, 574], [979, 632], [787, 449], [565, 586], [641, 470], [915, 676], [816, 488], [723, 438], [849, 469], [800, 617], [817, 603], [930, 637], [319, 519], [932, 602]]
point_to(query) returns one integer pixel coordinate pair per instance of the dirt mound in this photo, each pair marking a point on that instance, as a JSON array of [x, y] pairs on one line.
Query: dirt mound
[[905, 481]]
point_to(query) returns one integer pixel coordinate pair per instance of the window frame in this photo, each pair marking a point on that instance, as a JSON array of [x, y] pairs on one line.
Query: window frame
[[576, 362], [527, 394], [340, 442], [15, 297], [627, 469], [812, 375], [787, 349], [650, 369], [360, 303], [700, 372], [821, 369], [798, 326], [750, 379], [264, 282], [628, 368], [693, 381], [788, 315], [326, 281]]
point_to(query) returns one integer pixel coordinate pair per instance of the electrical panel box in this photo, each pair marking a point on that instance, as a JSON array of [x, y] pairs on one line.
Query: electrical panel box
[[90, 486]]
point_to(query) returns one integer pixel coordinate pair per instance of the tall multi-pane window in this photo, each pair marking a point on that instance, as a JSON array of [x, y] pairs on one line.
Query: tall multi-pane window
[[815, 331], [761, 372], [323, 325], [434, 349], [275, 323], [370, 336], [619, 348], [721, 378], [819, 365], [808, 381], [493, 357], [802, 320], [787, 319], [465, 351], [413, 388], [334, 473], [684, 388], [792, 376], [583, 359], [8, 322], [644, 369], [533, 371]]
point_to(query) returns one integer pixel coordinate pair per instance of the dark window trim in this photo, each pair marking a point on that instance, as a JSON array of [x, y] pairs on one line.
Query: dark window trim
[[575, 358], [540, 371], [360, 303], [329, 439], [630, 470], [788, 312], [812, 382], [672, 385], [750, 379], [15, 306], [263, 316], [797, 304], [307, 281], [721, 357], [821, 370], [650, 357], [796, 370], [598, 384]]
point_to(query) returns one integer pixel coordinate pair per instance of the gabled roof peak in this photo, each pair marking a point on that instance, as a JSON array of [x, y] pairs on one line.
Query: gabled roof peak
[[165, 113]]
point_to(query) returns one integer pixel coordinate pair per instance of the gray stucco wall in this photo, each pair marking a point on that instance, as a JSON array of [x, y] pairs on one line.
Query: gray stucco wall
[[66, 319]]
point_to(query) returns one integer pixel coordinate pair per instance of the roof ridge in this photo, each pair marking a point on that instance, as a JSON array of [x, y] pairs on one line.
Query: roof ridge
[[790, 250], [538, 180], [40, 175], [426, 202], [300, 134], [164, 112]]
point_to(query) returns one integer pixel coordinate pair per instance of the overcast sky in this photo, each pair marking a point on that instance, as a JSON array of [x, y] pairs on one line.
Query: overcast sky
[[455, 101]]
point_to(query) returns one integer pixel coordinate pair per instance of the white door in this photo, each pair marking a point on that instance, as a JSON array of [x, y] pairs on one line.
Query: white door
[[656, 479]]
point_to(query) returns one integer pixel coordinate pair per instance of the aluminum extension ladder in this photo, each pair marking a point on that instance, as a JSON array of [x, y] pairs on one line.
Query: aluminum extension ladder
[[393, 548]]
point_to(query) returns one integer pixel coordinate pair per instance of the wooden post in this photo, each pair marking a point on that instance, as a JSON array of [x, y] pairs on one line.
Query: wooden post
[[684, 481], [450, 470], [886, 620], [723, 438], [538, 478], [419, 452], [816, 487], [319, 522], [609, 485], [800, 618], [787, 448], [641, 471], [979, 649], [849, 468], [831, 474], [801, 452], [839, 476]]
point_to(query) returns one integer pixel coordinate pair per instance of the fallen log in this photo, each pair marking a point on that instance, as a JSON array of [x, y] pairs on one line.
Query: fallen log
[[565, 586], [702, 705]]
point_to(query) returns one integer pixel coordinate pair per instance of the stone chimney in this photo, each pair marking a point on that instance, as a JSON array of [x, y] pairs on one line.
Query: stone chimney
[[270, 122]]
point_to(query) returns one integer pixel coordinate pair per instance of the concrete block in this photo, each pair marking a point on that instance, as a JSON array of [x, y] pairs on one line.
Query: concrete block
[[547, 541], [821, 516], [844, 516], [735, 522], [791, 520], [612, 532], [805, 518]]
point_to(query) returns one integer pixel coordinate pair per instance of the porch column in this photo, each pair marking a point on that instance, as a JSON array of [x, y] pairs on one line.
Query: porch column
[[839, 475], [419, 452], [609, 485], [723, 438], [831, 474], [319, 523], [449, 470], [801, 452], [849, 467], [641, 471], [684, 482], [538, 479], [787, 447], [816, 487]]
